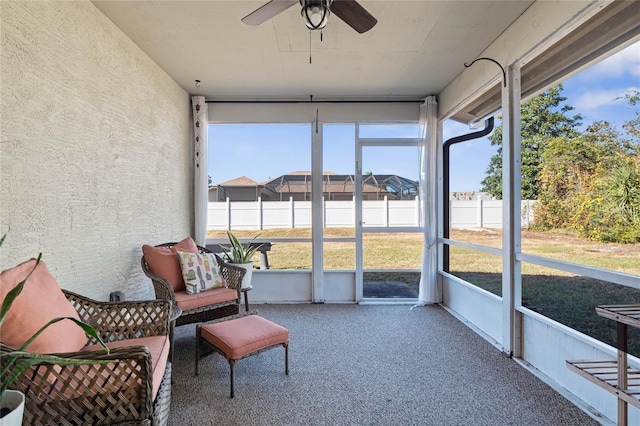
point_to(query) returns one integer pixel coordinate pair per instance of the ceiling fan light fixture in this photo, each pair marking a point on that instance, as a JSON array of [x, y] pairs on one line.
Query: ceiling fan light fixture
[[315, 13]]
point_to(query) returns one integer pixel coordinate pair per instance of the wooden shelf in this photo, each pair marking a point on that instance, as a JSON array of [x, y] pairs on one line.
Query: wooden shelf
[[627, 314], [615, 376], [605, 375]]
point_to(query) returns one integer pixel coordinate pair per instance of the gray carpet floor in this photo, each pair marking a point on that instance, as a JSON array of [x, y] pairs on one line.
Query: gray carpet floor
[[365, 365]]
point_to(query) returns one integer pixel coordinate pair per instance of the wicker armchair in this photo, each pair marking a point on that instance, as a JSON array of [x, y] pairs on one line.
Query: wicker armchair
[[233, 276], [103, 393]]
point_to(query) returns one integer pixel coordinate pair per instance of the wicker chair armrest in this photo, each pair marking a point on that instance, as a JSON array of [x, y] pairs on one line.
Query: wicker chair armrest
[[232, 274], [123, 320], [120, 379], [161, 287]]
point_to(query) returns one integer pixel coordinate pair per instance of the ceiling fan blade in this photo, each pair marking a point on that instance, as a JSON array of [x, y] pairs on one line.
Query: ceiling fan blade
[[267, 11], [353, 14]]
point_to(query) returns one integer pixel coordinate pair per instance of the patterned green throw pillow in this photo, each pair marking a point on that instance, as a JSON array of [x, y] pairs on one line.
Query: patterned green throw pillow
[[200, 272]]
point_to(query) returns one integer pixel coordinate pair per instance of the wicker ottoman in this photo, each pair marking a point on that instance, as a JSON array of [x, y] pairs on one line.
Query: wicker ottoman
[[240, 336]]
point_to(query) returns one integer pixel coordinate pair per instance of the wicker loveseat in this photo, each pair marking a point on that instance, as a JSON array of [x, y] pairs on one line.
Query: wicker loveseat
[[134, 387], [160, 263]]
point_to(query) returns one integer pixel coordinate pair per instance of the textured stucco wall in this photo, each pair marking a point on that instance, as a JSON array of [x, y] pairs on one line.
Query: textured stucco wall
[[94, 148]]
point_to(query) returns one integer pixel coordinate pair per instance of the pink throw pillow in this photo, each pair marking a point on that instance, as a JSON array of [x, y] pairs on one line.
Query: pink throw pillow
[[41, 300], [164, 263]]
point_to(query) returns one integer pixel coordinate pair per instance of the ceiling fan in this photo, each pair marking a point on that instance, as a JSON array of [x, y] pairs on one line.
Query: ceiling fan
[[316, 13]]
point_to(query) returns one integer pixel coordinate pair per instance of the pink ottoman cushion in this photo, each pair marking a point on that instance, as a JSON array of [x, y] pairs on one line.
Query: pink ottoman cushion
[[243, 336]]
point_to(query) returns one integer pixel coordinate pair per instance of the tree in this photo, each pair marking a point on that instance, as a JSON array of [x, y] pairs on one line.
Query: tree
[[623, 188], [611, 209], [542, 118], [633, 126], [568, 167], [591, 185], [210, 182]]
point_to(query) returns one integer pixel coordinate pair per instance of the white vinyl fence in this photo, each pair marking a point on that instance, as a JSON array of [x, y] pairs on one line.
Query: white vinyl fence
[[256, 215]]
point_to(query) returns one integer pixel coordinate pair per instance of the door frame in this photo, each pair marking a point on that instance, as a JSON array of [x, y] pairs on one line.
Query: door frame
[[360, 144]]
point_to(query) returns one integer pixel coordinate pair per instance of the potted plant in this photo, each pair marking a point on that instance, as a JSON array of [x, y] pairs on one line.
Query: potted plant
[[239, 254], [16, 362]]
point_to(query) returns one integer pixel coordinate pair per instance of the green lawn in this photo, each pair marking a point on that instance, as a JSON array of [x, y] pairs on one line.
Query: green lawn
[[564, 297]]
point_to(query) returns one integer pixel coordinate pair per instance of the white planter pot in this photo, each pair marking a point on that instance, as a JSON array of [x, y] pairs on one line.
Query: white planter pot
[[246, 280], [13, 400]]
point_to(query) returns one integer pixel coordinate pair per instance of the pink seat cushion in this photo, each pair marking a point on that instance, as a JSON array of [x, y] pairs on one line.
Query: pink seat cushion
[[41, 300], [204, 298], [242, 336], [164, 263], [158, 347]]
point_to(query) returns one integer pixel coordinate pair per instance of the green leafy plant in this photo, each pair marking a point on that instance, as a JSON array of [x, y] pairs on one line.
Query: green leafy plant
[[236, 252], [15, 363]]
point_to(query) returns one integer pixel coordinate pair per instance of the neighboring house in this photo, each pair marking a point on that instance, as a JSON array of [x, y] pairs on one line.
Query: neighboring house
[[238, 189], [297, 185], [213, 193]]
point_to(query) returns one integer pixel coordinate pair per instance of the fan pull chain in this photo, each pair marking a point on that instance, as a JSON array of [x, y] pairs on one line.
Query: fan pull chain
[[309, 46]]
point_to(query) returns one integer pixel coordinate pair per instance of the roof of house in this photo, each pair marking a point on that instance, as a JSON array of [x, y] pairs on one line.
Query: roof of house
[[239, 181], [308, 173], [300, 182]]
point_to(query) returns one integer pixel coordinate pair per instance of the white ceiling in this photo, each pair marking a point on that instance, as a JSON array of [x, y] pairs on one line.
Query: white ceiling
[[416, 49]]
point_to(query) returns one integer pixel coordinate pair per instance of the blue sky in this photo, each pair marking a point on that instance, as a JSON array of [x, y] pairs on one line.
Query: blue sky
[[594, 93]]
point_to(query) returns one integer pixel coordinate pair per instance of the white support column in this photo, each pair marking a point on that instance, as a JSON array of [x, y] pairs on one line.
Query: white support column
[[228, 211], [259, 212], [511, 184], [442, 200], [358, 215], [317, 215]]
